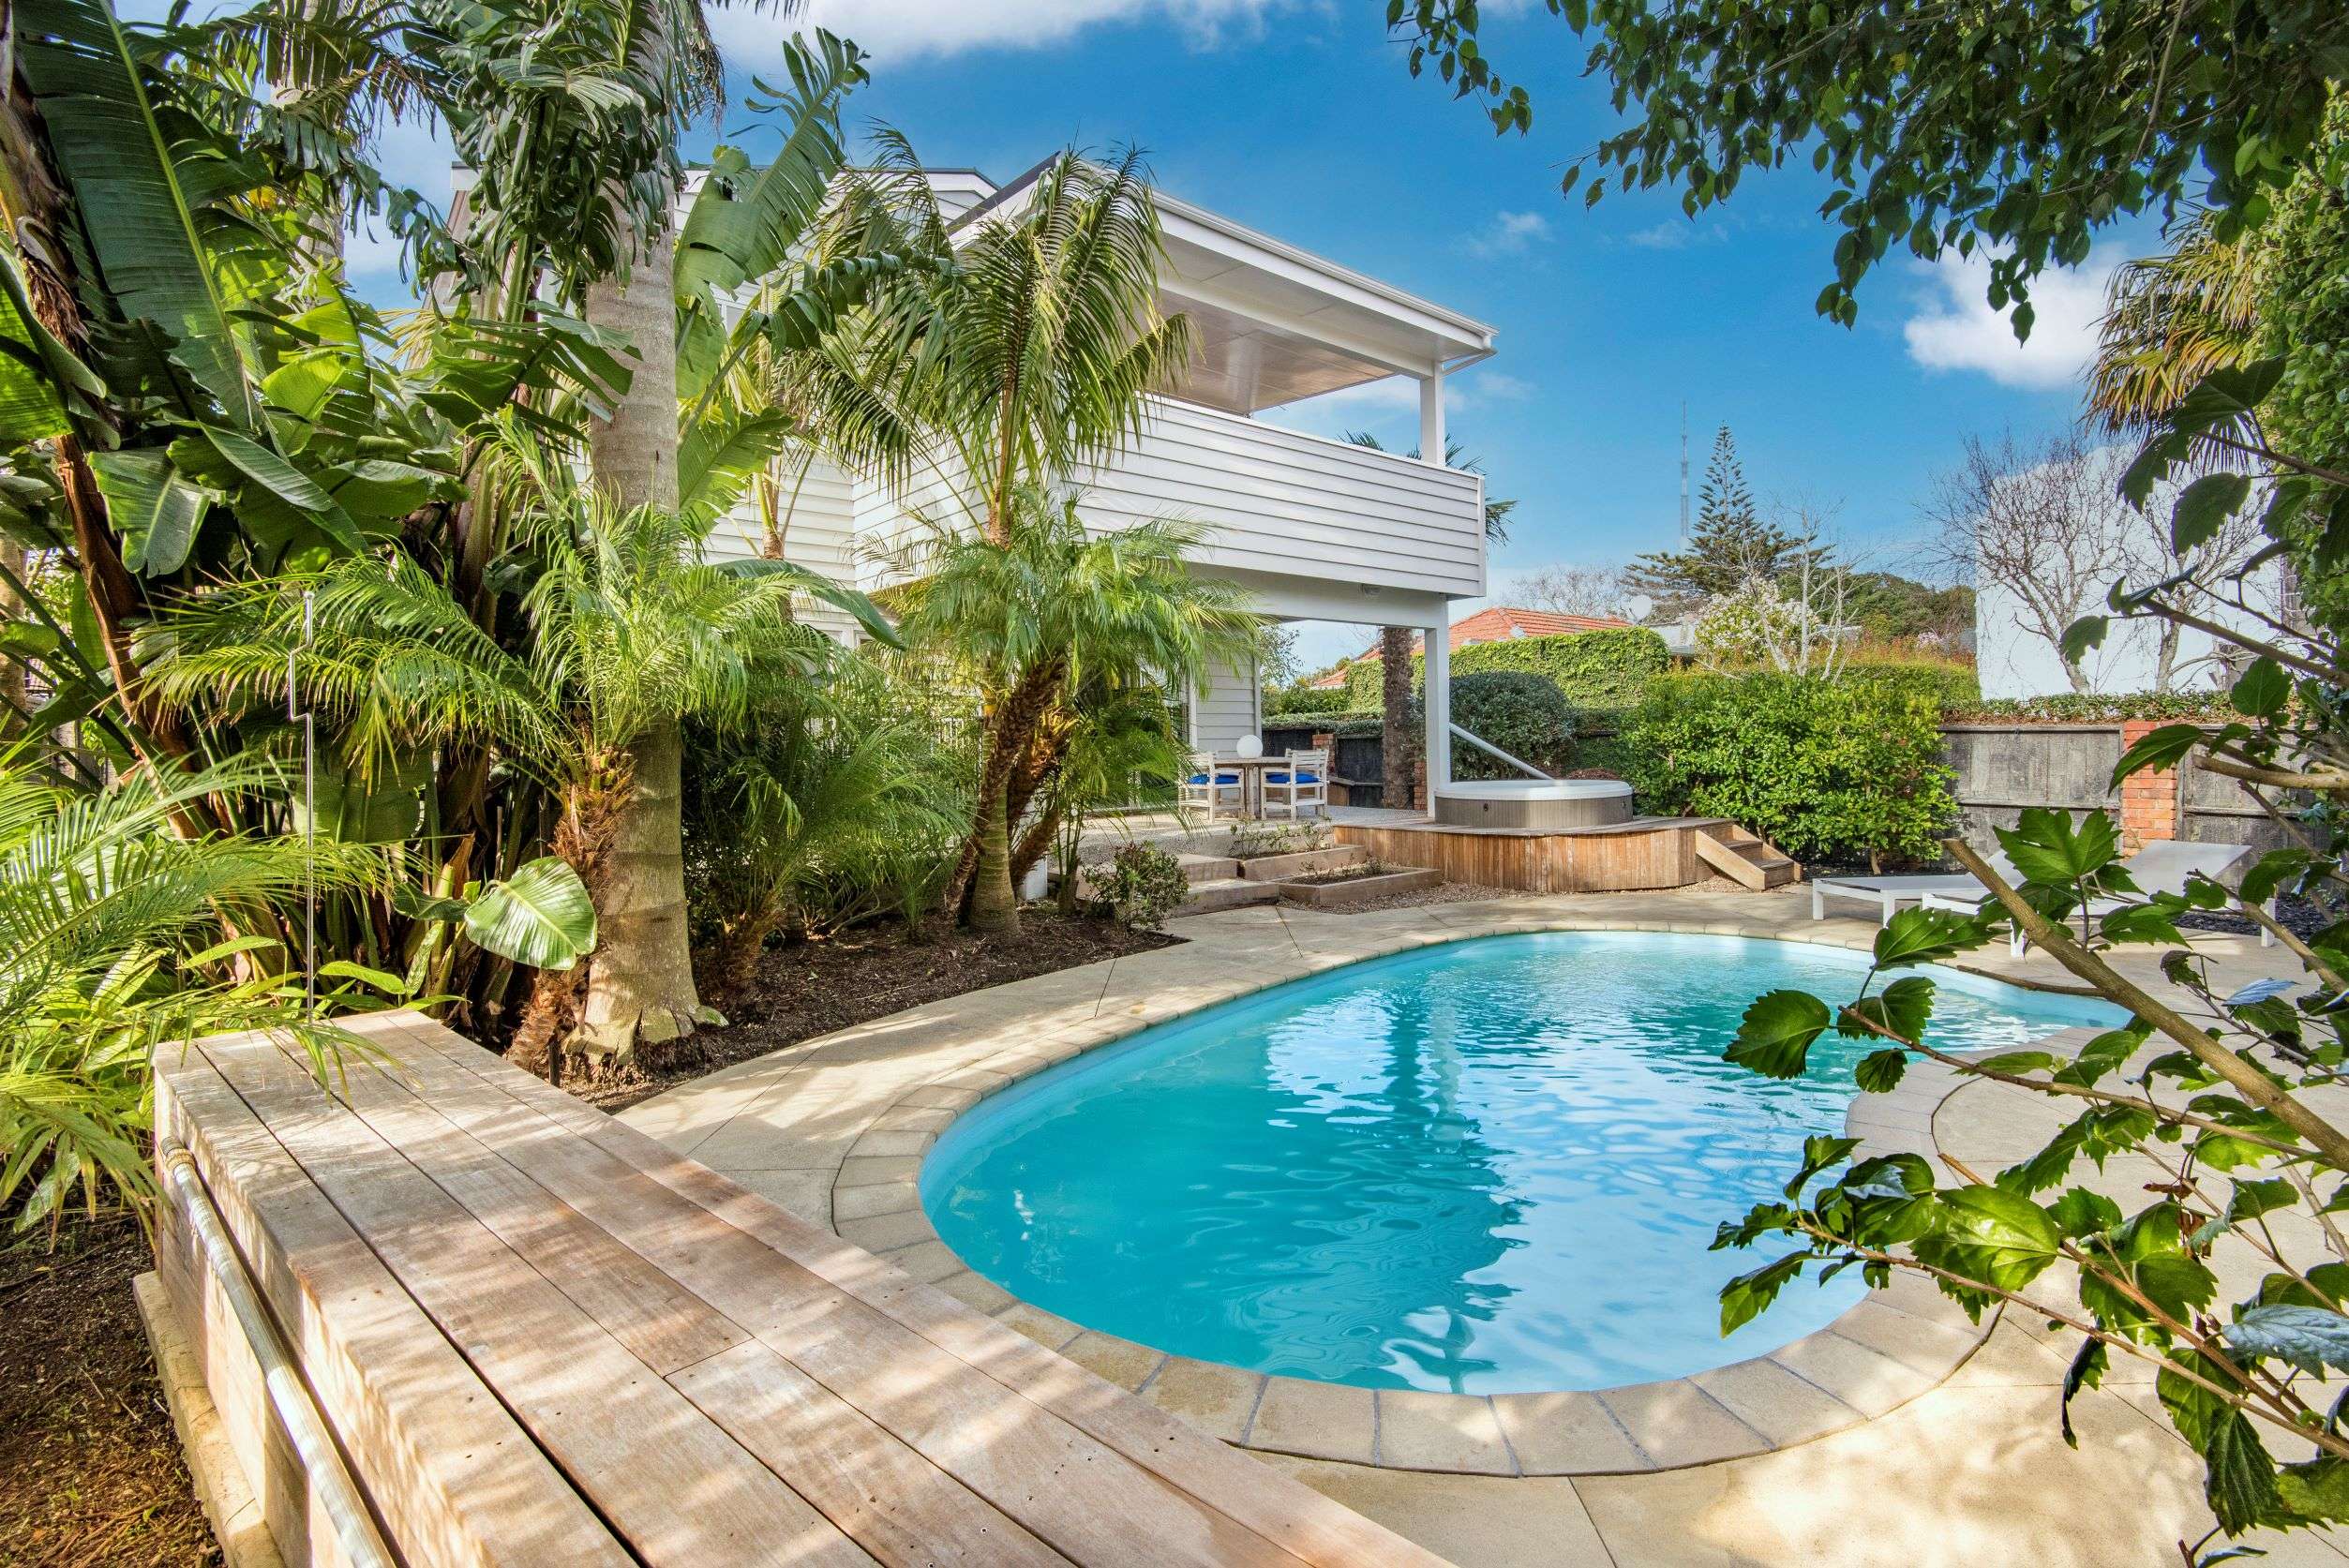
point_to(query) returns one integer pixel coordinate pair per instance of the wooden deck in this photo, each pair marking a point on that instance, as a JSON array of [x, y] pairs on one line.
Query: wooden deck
[[1646, 853], [538, 1337]]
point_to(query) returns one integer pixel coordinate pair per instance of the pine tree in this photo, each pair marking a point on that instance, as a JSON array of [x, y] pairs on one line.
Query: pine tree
[[1732, 544]]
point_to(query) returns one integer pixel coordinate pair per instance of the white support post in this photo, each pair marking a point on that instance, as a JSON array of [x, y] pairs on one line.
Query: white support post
[[1438, 707], [1431, 420]]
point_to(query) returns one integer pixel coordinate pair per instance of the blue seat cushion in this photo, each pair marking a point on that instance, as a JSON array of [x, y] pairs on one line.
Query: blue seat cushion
[[1220, 778], [1303, 777]]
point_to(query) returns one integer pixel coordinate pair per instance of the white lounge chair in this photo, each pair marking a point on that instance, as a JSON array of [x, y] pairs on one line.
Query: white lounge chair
[[1304, 783], [1207, 787], [2163, 866], [1888, 894]]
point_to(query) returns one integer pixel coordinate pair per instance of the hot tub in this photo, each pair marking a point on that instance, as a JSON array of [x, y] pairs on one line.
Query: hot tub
[[1537, 803]]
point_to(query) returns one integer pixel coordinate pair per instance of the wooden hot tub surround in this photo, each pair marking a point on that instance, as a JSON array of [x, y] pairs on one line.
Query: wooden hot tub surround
[[1648, 852]]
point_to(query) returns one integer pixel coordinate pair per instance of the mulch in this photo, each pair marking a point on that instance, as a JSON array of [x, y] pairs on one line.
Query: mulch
[[811, 988], [90, 1467]]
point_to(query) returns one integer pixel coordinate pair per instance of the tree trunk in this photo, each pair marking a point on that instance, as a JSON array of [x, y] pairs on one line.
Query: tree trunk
[[632, 454], [994, 904], [1010, 737], [1395, 737], [739, 944], [640, 979], [640, 982]]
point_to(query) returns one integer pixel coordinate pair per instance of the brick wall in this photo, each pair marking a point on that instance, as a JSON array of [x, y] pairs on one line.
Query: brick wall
[[2148, 801]]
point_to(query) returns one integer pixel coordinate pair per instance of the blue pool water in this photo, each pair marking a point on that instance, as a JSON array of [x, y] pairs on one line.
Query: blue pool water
[[1487, 1166]]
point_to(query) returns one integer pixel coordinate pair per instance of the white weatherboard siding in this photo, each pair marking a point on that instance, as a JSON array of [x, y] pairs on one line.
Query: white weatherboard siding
[[1223, 709], [820, 533], [1295, 506]]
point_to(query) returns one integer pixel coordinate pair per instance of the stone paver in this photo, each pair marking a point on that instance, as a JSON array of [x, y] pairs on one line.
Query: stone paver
[[1898, 1433]]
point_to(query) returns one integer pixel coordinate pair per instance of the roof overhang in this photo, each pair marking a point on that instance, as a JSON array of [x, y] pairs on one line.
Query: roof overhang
[[1277, 324]]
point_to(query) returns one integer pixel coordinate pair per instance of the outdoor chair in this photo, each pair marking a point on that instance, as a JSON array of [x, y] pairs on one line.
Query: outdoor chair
[[2163, 866], [1207, 787], [1304, 783], [1888, 894]]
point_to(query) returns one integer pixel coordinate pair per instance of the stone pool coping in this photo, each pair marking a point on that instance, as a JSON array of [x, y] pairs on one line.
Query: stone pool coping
[[1895, 1344]]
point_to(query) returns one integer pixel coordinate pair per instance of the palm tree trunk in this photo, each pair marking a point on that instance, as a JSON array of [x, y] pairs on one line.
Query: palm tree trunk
[[994, 904], [640, 982], [632, 454], [1395, 737], [640, 979]]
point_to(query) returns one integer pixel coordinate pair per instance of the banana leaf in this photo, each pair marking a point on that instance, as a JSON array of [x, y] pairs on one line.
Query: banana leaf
[[541, 917]]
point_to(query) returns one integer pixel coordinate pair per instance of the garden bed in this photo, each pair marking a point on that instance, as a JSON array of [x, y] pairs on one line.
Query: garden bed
[[90, 1465], [813, 988], [1357, 885]]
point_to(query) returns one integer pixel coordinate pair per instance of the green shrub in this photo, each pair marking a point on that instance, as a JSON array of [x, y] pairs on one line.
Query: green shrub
[[1521, 713], [1827, 770], [1143, 885]]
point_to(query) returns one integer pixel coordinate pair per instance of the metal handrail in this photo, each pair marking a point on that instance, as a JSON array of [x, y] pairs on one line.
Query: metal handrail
[[321, 1462], [1484, 745]]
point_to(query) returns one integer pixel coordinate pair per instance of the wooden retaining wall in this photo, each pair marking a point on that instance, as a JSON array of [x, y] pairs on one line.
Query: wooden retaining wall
[[536, 1336]]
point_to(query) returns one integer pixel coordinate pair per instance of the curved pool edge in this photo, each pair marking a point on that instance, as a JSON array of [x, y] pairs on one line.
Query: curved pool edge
[[1895, 1344]]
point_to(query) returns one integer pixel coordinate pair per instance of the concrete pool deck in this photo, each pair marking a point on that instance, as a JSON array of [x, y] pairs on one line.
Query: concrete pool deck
[[1776, 1459]]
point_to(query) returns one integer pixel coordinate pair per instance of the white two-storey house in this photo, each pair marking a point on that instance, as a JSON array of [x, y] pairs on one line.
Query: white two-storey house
[[1311, 529]]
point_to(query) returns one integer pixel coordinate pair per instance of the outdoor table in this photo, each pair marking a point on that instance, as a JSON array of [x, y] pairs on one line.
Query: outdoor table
[[1251, 770]]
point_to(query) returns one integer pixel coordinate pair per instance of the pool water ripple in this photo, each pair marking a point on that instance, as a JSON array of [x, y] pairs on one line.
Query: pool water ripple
[[1493, 1165]]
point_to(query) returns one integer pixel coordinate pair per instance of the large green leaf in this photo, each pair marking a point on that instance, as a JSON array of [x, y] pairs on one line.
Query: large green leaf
[[41, 381], [1988, 1233], [1774, 1036], [136, 212], [2308, 1337], [540, 917], [744, 222], [153, 506]]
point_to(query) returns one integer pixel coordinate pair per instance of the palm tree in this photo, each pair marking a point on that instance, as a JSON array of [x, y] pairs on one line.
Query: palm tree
[[1035, 619], [627, 632], [1026, 359], [2171, 320], [822, 776], [1032, 355], [109, 951]]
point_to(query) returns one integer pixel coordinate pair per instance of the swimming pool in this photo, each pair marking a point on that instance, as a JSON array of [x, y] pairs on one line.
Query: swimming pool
[[1493, 1166]]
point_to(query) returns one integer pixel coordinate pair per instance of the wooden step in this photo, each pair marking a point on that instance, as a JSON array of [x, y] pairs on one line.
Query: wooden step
[[1743, 857]]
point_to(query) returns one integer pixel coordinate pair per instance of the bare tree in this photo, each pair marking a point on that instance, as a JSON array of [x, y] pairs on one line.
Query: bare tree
[[1796, 622], [1568, 590], [2045, 521]]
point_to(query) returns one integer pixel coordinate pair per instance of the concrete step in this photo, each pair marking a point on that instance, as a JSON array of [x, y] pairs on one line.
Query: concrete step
[[1207, 868], [1228, 892], [1303, 862]]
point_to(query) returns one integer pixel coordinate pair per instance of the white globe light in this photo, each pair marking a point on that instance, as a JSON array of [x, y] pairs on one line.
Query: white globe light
[[1251, 746]]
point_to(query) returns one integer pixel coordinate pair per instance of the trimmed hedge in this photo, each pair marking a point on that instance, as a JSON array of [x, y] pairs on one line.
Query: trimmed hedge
[[1950, 685], [2091, 708], [1289, 701], [1591, 669], [1837, 770]]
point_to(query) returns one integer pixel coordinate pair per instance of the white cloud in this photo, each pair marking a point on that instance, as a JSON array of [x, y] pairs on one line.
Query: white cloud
[[1507, 234], [894, 30], [1491, 386], [1674, 233], [1954, 327]]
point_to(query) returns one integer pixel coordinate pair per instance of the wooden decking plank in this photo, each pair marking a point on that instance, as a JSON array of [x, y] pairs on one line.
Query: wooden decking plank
[[1288, 1513], [825, 1449], [995, 1441], [891, 1500], [456, 1478], [668, 1480], [662, 1323]]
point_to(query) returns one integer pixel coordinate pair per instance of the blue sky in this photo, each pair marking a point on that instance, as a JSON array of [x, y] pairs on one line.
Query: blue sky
[[1300, 119]]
